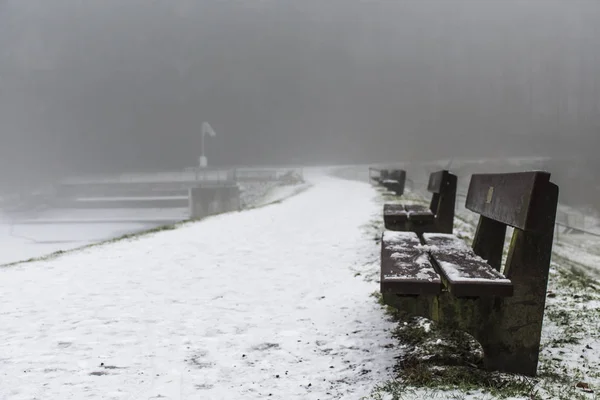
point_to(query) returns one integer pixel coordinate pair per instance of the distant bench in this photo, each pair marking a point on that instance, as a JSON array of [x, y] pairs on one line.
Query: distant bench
[[392, 179], [439, 217], [442, 278]]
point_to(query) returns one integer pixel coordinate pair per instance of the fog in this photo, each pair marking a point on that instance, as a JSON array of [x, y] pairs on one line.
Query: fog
[[120, 85]]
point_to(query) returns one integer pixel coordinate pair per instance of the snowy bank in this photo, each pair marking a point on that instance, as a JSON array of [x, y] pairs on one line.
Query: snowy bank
[[242, 305]]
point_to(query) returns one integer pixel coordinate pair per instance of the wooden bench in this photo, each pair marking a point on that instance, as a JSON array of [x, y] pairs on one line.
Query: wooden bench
[[376, 175], [439, 217], [392, 179], [438, 276]]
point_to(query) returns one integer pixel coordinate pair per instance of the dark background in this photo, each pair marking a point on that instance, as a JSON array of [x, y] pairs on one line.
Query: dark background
[[122, 85]]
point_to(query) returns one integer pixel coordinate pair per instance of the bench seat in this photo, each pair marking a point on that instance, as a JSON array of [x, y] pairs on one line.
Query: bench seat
[[503, 313], [464, 273], [416, 207], [406, 268], [437, 217], [394, 214], [425, 216]]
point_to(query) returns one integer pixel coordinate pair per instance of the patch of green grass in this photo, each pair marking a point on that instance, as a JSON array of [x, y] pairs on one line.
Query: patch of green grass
[[442, 360], [374, 229], [378, 298], [435, 358], [572, 275]]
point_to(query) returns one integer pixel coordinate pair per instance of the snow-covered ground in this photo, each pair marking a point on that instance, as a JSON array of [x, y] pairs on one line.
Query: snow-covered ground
[[23, 242], [270, 301], [36, 234], [265, 302]]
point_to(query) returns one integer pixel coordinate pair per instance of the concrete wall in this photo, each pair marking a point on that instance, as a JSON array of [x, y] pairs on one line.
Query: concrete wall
[[213, 199]]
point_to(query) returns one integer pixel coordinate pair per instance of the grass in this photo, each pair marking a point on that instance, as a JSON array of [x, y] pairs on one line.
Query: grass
[[436, 363], [439, 360]]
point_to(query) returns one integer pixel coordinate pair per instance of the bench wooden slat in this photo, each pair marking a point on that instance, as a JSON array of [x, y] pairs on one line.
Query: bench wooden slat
[[405, 267], [507, 198], [467, 275], [416, 207], [393, 209], [419, 213], [437, 180], [421, 216]]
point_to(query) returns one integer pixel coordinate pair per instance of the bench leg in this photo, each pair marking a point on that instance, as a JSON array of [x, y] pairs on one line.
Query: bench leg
[[456, 313], [514, 330], [509, 346], [508, 330]]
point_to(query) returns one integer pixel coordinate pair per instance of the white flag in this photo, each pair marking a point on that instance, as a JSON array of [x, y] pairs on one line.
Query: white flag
[[207, 129]]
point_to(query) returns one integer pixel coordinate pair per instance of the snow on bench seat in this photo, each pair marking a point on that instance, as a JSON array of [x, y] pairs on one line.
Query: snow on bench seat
[[398, 213], [421, 216], [393, 209], [405, 266], [419, 213], [416, 208], [467, 274]]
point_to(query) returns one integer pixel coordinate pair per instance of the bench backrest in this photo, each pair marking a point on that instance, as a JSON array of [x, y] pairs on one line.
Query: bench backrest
[[526, 201], [396, 174], [513, 199], [439, 180], [377, 174], [399, 176], [384, 174], [443, 202]]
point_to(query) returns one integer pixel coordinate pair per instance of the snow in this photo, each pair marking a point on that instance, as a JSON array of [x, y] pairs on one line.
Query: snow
[[455, 273], [399, 237], [38, 233], [22, 242], [280, 193], [426, 271], [447, 244], [240, 305], [394, 209]]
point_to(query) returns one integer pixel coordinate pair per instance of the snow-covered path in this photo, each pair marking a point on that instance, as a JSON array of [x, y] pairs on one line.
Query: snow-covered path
[[239, 306]]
